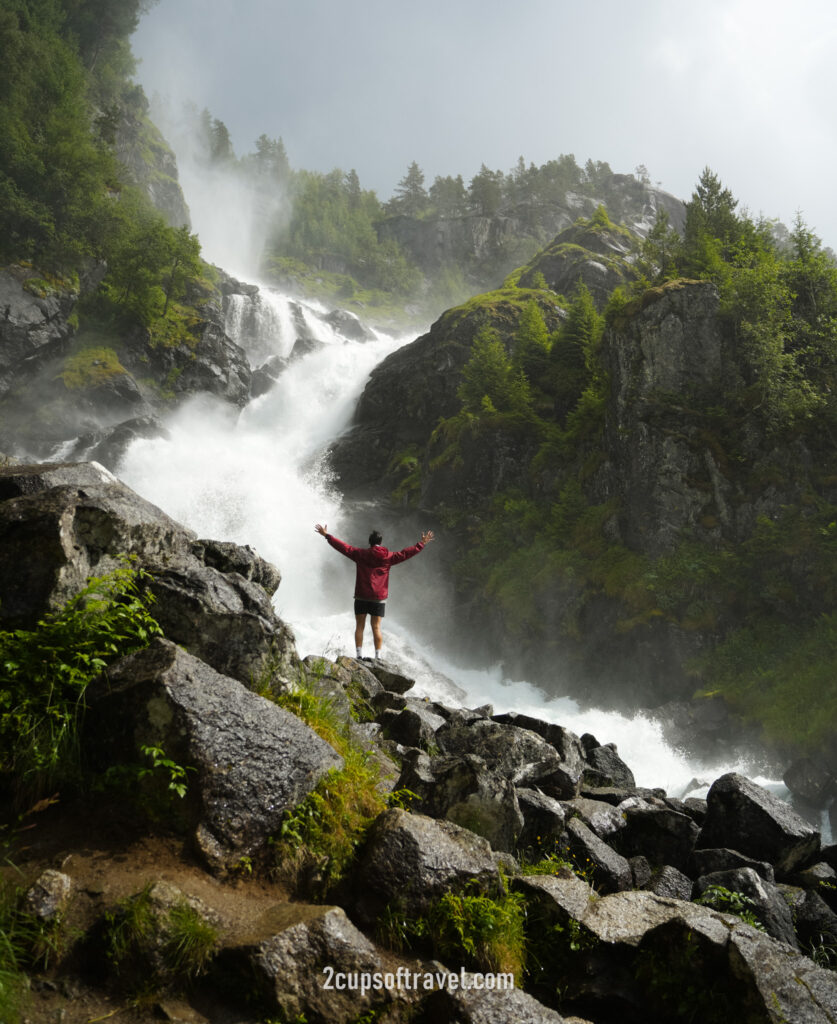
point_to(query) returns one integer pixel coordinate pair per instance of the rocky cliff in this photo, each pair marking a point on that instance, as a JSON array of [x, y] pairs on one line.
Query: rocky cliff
[[487, 248], [665, 514]]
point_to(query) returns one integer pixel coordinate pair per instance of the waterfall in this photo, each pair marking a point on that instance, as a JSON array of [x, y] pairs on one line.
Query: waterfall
[[261, 478]]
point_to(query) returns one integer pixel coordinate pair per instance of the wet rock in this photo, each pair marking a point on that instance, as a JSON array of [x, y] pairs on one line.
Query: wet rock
[[743, 816], [811, 782], [62, 523], [609, 871], [391, 680], [226, 620], [412, 726], [705, 862], [465, 790], [662, 835], [814, 921], [668, 881], [108, 447], [227, 557], [641, 871], [543, 823], [606, 768], [470, 1005], [630, 961], [519, 754], [603, 818], [247, 760], [768, 904], [347, 325], [265, 376], [410, 860], [48, 897], [362, 679], [819, 875], [292, 960], [304, 346]]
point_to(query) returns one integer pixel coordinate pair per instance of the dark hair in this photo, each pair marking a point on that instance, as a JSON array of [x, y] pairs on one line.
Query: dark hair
[[375, 538]]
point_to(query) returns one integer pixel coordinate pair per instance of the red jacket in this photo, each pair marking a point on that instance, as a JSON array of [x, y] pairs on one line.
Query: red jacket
[[373, 565]]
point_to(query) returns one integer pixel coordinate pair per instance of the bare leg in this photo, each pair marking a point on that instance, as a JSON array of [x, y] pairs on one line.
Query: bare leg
[[377, 635], [360, 626]]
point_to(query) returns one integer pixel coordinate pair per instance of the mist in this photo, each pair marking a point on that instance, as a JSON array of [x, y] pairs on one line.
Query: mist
[[743, 86], [233, 212]]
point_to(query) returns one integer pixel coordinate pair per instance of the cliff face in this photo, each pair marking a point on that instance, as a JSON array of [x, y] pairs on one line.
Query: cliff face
[[489, 247], [415, 387], [150, 164], [605, 558]]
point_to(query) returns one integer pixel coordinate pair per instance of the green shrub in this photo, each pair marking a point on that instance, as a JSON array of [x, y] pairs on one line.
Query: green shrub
[[152, 946], [729, 902], [46, 672]]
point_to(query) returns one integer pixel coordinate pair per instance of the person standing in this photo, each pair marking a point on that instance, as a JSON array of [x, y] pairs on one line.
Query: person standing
[[372, 580]]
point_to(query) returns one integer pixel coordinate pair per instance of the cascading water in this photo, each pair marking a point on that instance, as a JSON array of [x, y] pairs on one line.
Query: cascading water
[[261, 479]]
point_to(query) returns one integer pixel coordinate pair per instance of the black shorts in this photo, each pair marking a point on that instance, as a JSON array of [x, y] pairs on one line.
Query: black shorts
[[369, 607]]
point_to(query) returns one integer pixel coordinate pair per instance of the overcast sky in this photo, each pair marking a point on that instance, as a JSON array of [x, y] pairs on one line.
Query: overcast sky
[[743, 86]]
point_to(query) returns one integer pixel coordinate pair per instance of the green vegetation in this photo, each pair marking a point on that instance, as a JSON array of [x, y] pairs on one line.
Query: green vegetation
[[540, 551], [46, 672], [66, 204], [319, 838], [730, 902], [152, 945], [472, 929]]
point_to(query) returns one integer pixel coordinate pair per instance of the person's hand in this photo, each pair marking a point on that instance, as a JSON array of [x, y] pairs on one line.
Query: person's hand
[[427, 536], [321, 529]]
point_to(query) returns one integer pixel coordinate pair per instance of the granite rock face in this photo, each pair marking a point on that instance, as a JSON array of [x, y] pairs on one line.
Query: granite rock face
[[62, 523], [247, 760]]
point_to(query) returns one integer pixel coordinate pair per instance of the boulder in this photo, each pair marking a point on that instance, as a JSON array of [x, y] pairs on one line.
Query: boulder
[[705, 862], [608, 870], [347, 325], [247, 760], [660, 834], [410, 860], [299, 961], [814, 921], [228, 557], [634, 955], [361, 678], [412, 726], [603, 818], [466, 791], [519, 754], [468, 1004], [767, 903], [391, 680], [744, 816], [62, 523], [47, 898], [543, 823], [668, 881], [811, 781], [606, 768], [227, 621]]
